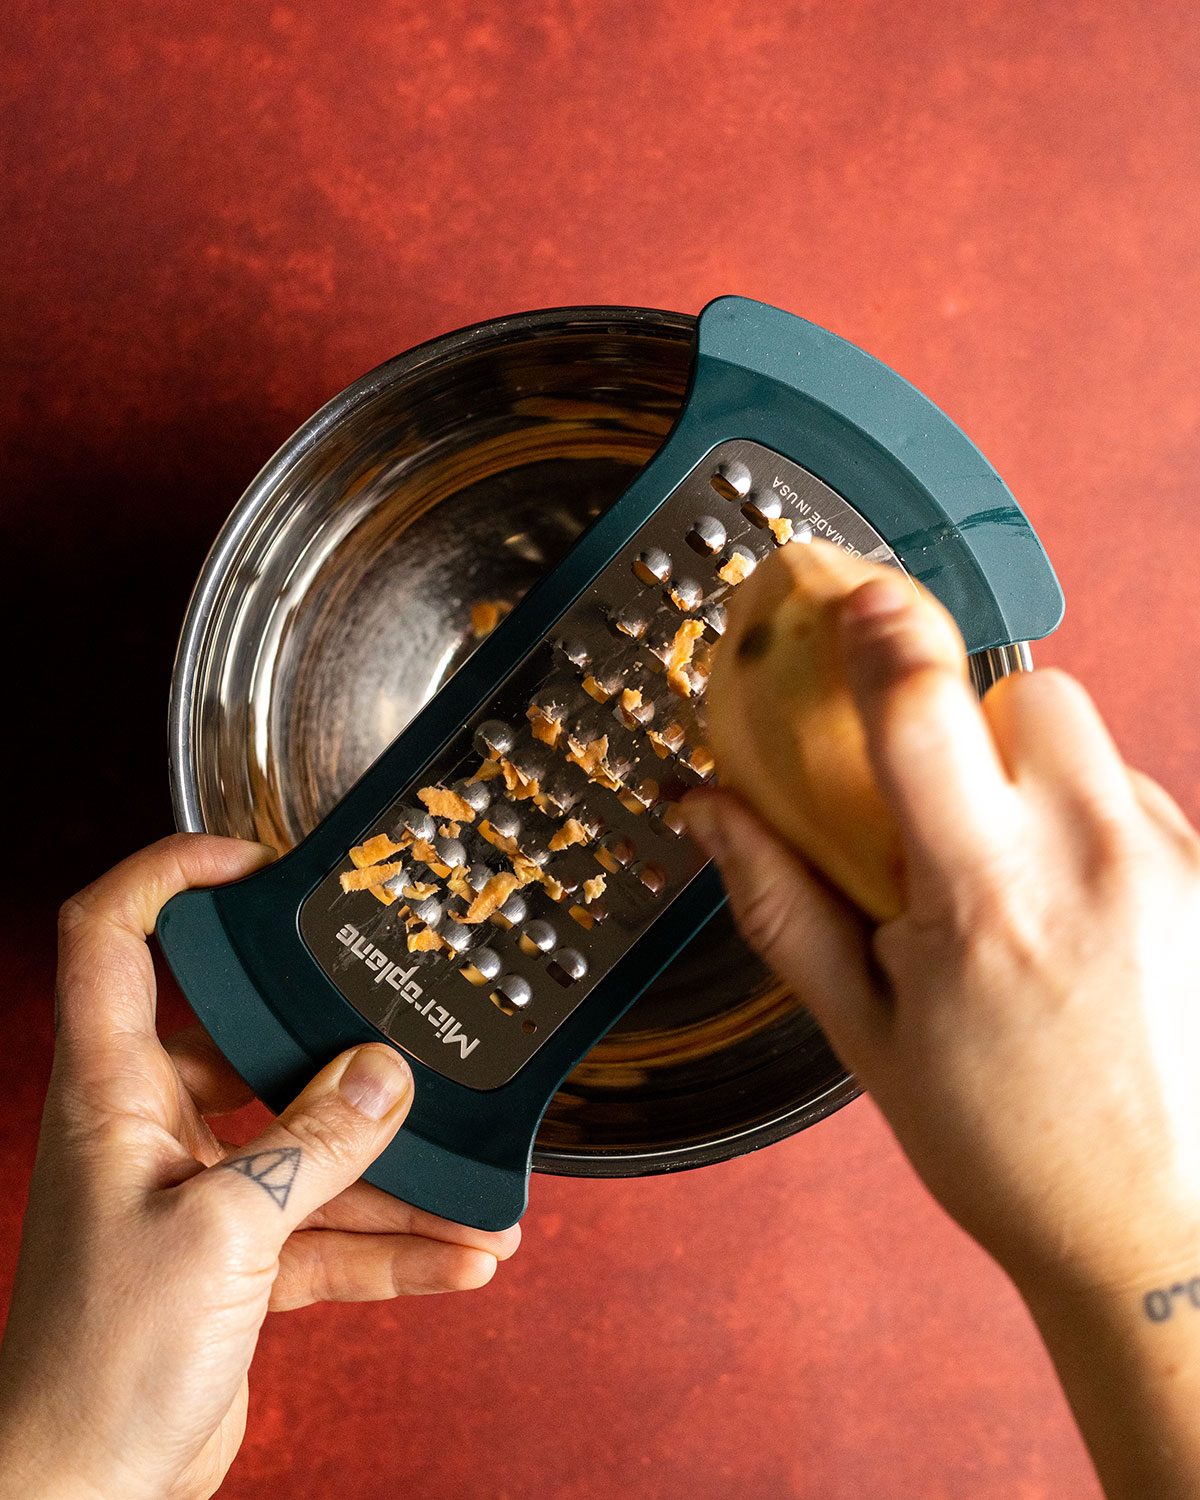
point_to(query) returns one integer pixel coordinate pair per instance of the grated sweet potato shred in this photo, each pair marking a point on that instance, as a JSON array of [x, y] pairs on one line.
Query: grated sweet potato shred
[[737, 569], [486, 615], [544, 727], [572, 832], [681, 654], [424, 941], [494, 894], [365, 877], [443, 803], [372, 851]]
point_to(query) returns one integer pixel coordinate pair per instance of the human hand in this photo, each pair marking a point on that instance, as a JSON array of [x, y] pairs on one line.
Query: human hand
[[1030, 1026], [152, 1251]]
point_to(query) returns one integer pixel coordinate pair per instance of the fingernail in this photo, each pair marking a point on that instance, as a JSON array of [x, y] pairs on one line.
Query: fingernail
[[873, 600], [706, 827], [375, 1081]]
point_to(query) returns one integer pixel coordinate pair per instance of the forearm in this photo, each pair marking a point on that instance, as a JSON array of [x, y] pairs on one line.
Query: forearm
[[1129, 1363]]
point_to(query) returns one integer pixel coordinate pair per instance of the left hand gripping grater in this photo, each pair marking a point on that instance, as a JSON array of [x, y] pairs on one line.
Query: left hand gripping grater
[[511, 873]]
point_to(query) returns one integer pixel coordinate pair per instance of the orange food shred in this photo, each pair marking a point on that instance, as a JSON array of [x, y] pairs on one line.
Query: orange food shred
[[589, 758], [544, 727], [572, 832], [443, 803], [424, 941], [681, 654], [494, 894], [487, 614], [364, 878], [372, 851], [419, 890]]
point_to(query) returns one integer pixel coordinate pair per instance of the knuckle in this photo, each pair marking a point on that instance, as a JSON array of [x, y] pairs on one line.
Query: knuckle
[[289, 1290], [324, 1137], [219, 1220], [73, 913], [215, 1214], [472, 1269], [762, 916]]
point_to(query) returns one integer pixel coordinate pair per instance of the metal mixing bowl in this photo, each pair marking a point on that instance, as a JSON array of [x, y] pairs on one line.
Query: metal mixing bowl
[[338, 598]]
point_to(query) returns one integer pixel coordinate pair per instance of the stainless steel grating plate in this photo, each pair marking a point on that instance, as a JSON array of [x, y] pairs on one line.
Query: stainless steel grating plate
[[468, 934]]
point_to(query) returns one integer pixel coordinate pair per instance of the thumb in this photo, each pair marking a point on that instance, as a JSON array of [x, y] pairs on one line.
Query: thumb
[[320, 1144], [815, 939]]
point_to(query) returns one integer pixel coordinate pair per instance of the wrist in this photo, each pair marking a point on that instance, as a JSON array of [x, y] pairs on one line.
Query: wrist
[[26, 1478], [33, 1471], [1136, 1290], [1130, 1370]]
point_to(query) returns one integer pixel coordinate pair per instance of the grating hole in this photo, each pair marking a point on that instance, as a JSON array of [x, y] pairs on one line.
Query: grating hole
[[567, 966], [732, 479], [652, 876], [706, 536]]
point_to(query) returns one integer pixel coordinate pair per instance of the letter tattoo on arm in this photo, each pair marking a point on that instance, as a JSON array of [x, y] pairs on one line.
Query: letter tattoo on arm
[[1160, 1303]]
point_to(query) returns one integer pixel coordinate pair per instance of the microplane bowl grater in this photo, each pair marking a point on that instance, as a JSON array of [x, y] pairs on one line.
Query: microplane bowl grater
[[511, 873]]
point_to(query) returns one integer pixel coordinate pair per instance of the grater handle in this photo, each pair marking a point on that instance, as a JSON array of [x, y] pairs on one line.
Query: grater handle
[[276, 1065]]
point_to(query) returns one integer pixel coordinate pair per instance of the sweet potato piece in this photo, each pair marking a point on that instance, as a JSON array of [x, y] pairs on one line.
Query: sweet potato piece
[[443, 803], [494, 894], [486, 615], [681, 654], [737, 569], [781, 529], [364, 878], [372, 851], [423, 941], [420, 889], [520, 785], [589, 757], [784, 727], [499, 841], [544, 726], [572, 832]]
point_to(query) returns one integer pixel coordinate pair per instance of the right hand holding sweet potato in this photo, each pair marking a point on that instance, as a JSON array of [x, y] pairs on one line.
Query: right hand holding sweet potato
[[1030, 1025]]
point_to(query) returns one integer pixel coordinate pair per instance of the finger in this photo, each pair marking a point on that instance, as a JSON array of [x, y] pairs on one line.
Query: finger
[[929, 745], [325, 1265], [210, 1079], [105, 973], [319, 1145], [1158, 803], [1050, 731], [811, 935], [368, 1209]]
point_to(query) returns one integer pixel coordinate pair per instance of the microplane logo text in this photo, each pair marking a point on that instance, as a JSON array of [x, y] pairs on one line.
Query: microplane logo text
[[387, 971]]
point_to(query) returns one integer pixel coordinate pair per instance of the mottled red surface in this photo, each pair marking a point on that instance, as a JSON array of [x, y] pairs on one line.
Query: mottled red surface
[[217, 216]]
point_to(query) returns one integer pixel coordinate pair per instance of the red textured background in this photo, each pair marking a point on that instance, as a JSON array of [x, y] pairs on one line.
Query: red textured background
[[220, 214]]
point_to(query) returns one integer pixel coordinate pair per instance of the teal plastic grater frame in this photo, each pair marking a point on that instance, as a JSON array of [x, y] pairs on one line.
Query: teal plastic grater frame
[[758, 373]]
